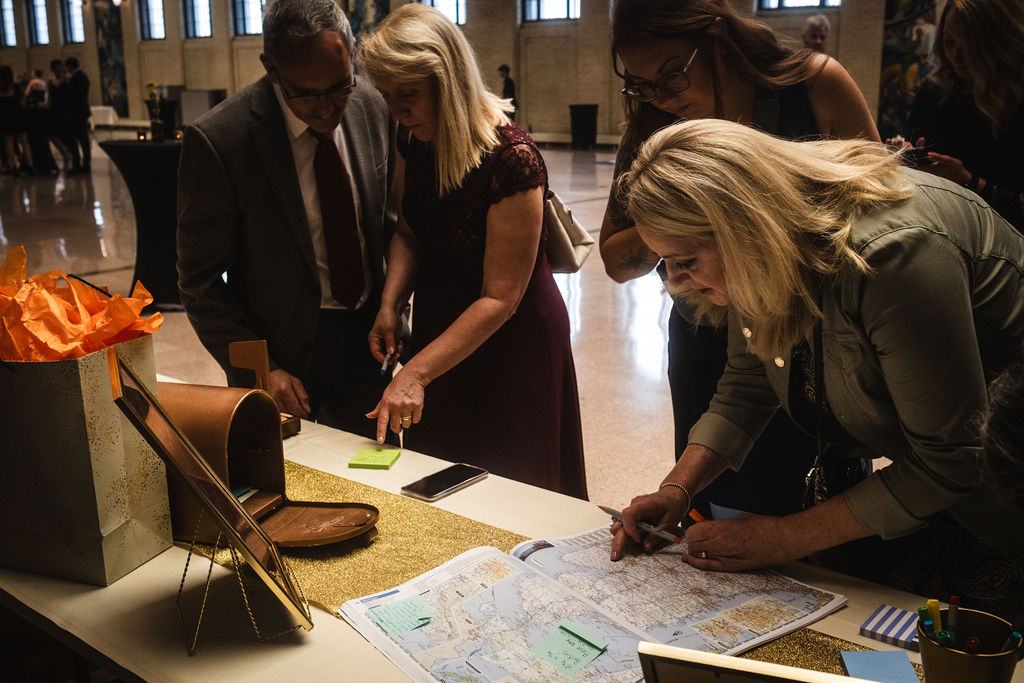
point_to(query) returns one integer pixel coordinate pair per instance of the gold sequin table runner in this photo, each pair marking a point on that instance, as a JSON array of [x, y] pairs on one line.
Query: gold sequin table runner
[[415, 537]]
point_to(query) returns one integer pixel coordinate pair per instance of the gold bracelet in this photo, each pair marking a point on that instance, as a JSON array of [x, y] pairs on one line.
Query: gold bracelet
[[689, 498]]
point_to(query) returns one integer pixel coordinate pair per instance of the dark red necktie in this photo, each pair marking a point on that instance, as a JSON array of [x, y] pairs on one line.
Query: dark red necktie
[[341, 231]]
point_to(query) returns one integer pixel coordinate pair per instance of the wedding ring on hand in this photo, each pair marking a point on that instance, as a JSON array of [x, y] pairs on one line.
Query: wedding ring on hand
[[703, 554], [406, 419]]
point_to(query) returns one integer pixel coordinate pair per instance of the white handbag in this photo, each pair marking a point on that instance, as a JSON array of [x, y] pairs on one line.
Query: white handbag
[[568, 243]]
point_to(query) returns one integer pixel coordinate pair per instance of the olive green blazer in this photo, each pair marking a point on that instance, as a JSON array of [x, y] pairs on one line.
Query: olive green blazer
[[908, 351]]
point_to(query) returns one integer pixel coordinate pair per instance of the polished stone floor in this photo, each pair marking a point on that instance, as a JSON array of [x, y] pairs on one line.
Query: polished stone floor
[[85, 225]]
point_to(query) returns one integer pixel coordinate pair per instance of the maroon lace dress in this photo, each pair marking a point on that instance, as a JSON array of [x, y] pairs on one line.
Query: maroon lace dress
[[512, 406]]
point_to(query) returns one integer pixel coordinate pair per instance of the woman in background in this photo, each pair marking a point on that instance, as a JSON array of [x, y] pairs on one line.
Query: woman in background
[[489, 378], [688, 59], [968, 113], [873, 302]]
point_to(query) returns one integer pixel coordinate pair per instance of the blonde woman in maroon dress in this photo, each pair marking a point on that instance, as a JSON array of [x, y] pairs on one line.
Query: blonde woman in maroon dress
[[489, 378]]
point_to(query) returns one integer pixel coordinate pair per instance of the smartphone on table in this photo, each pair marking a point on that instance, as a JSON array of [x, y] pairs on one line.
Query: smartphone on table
[[444, 482]]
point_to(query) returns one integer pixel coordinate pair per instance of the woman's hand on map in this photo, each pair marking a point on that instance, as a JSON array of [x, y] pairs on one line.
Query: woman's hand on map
[[745, 542], [755, 541]]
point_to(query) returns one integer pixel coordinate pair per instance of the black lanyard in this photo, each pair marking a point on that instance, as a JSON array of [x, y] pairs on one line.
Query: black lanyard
[[815, 479]]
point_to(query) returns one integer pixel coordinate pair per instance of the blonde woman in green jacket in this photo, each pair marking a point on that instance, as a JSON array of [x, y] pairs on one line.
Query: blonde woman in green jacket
[[871, 301]]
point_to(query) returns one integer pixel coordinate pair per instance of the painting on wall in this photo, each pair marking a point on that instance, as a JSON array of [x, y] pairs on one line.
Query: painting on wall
[[110, 49], [364, 15], [909, 35]]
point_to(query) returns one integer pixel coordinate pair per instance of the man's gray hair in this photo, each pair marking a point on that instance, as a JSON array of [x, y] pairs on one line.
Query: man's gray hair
[[303, 20], [818, 23]]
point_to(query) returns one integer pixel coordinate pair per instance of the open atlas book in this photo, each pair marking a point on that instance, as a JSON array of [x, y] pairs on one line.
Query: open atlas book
[[561, 610]]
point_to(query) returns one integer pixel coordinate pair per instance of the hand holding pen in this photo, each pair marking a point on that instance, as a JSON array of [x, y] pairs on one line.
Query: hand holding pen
[[656, 512]]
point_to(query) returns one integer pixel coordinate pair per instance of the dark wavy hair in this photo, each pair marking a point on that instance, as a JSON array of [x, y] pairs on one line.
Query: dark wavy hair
[[1001, 434], [749, 45], [993, 49]]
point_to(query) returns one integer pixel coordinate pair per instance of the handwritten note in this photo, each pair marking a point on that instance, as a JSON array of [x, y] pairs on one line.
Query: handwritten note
[[403, 616], [373, 459], [569, 647]]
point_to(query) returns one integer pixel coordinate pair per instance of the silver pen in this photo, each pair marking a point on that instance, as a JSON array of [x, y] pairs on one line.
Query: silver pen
[[649, 528]]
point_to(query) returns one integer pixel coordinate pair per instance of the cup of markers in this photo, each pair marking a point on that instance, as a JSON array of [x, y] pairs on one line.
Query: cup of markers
[[960, 645]]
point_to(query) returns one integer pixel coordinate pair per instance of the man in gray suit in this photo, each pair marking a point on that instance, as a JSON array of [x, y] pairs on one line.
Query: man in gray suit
[[256, 203]]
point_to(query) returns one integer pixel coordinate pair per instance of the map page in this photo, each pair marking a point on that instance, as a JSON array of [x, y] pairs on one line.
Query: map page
[[674, 603], [494, 618]]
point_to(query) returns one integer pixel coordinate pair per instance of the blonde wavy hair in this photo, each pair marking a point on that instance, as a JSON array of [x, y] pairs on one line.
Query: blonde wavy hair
[[416, 43], [780, 213]]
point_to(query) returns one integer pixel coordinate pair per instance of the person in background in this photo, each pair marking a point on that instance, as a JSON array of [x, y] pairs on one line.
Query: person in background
[[37, 123], [816, 30], [508, 89], [968, 113], [701, 59], [489, 376], [58, 99], [873, 302], [1002, 435], [77, 118], [285, 187], [13, 125]]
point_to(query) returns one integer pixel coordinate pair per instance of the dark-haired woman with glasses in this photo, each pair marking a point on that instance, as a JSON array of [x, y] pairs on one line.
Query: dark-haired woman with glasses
[[689, 59]]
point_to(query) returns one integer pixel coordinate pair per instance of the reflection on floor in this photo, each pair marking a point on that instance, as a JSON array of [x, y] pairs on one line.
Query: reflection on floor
[[84, 224]]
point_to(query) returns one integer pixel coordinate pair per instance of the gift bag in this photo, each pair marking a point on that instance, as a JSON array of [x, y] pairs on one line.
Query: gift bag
[[82, 495]]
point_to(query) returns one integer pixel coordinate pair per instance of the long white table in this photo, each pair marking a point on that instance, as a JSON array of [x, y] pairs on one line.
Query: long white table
[[131, 628]]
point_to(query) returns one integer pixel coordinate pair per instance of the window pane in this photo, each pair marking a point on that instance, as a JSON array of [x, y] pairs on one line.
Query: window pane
[[75, 27], [553, 9], [538, 10], [198, 24], [156, 19], [453, 9], [40, 30], [7, 14], [248, 17], [801, 3]]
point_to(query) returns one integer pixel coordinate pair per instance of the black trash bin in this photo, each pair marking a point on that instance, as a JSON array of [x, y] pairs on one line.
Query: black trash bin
[[584, 125]]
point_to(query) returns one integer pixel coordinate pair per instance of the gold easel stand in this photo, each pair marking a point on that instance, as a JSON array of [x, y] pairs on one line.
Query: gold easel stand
[[191, 639]]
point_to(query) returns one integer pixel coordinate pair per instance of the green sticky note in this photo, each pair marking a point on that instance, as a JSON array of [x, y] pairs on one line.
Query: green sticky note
[[373, 459], [569, 647], [403, 616]]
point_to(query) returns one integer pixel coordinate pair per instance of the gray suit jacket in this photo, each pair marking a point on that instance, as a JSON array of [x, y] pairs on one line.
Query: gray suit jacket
[[240, 210]]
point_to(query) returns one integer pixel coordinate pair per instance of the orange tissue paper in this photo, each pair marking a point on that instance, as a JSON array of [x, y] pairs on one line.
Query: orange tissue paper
[[41, 321]]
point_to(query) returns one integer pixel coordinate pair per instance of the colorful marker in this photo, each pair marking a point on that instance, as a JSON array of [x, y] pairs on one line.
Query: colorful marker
[[660, 533], [933, 609], [972, 646], [696, 516], [923, 614], [385, 364], [929, 628], [954, 608], [946, 639], [1012, 642]]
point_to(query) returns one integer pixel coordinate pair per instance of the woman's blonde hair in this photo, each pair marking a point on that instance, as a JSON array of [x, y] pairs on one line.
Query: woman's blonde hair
[[415, 43], [780, 213], [992, 47]]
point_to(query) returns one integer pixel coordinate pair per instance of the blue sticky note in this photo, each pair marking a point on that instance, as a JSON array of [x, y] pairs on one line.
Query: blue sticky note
[[569, 647], [885, 667], [402, 616]]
